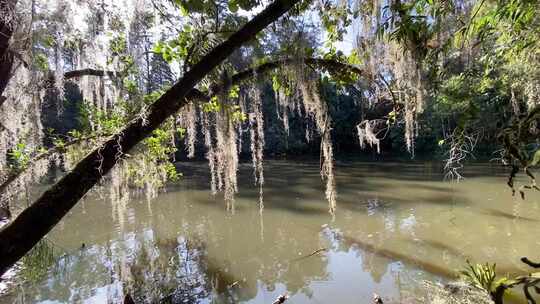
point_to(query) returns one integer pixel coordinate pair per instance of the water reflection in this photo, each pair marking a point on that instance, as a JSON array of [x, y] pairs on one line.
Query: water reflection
[[396, 226]]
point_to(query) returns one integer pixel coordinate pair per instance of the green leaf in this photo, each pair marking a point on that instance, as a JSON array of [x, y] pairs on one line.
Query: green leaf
[[234, 92], [184, 11], [233, 6], [158, 48], [181, 132], [353, 58], [276, 85], [536, 158]]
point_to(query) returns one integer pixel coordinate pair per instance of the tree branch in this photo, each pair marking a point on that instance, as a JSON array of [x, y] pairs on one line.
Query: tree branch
[[332, 66], [530, 263], [13, 175], [89, 72]]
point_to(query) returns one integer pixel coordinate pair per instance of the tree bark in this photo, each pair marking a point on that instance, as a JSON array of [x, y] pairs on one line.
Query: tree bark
[[17, 238], [6, 56]]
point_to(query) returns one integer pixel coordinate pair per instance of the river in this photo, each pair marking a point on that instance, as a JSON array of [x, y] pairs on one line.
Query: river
[[396, 225]]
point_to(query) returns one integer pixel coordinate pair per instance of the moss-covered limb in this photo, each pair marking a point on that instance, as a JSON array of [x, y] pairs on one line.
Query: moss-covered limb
[[332, 66], [13, 175], [193, 95], [18, 237], [515, 139]]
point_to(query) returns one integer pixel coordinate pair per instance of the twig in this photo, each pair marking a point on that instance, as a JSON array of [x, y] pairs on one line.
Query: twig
[[311, 254], [530, 263]]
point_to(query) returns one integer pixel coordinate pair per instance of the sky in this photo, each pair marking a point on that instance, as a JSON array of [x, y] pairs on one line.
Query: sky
[[346, 46], [348, 43]]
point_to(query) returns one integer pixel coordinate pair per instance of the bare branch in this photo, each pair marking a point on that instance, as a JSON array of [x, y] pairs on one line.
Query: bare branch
[[89, 72], [530, 263]]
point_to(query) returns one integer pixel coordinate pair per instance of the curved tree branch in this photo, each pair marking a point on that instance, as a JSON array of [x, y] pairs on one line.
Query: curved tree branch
[[530, 263], [330, 65]]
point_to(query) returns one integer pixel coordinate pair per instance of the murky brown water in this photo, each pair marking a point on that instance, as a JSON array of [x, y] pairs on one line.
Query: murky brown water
[[396, 225]]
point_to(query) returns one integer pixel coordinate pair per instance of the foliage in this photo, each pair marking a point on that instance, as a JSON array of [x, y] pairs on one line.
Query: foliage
[[37, 262], [20, 156], [484, 277], [481, 276]]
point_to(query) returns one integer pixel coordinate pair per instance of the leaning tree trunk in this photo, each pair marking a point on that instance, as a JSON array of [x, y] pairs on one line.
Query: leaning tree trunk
[[6, 31], [36, 221]]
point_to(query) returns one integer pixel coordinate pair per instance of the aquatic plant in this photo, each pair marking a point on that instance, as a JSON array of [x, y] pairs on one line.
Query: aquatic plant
[[483, 277], [480, 276]]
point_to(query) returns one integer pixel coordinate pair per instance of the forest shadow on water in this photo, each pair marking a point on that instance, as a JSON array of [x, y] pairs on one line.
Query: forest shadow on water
[[396, 225]]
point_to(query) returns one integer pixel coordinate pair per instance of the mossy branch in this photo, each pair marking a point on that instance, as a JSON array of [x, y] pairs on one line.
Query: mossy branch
[[331, 66], [14, 174]]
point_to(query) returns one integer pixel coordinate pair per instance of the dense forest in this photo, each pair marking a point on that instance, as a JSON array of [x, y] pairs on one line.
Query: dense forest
[[117, 96]]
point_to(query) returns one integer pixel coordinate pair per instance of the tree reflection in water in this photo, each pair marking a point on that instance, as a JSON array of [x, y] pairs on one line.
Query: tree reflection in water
[[180, 270], [154, 268], [184, 247]]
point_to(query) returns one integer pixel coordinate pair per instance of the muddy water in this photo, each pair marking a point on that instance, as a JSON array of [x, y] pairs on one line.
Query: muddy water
[[397, 224]]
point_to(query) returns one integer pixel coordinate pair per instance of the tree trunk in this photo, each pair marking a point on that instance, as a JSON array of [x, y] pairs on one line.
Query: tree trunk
[[36, 221], [6, 57]]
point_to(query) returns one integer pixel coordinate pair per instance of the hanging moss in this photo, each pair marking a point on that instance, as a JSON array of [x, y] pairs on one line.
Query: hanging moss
[[256, 130], [366, 135]]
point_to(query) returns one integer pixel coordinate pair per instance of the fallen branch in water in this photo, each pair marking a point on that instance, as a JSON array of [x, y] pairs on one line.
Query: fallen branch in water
[[530, 263], [311, 254], [281, 299]]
